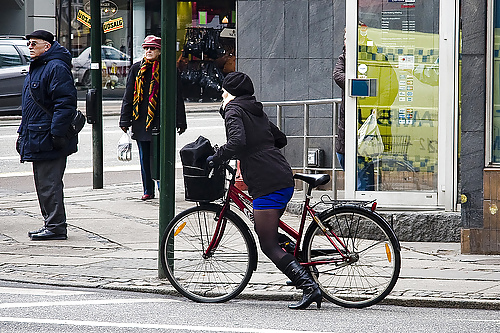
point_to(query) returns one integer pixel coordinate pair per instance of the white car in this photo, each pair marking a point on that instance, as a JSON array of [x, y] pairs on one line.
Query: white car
[[115, 66]]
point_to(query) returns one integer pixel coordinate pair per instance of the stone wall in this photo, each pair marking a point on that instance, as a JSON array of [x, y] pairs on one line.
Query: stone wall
[[289, 49], [473, 112]]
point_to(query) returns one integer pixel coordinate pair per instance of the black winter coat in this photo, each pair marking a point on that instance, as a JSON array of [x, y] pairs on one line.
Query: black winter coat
[[339, 77], [52, 85], [255, 141], [139, 132]]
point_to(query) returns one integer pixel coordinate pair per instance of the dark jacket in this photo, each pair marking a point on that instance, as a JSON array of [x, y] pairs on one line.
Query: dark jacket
[[255, 141], [339, 77], [139, 132], [53, 87]]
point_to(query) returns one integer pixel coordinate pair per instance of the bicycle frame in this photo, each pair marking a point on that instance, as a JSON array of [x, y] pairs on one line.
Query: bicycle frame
[[244, 204]]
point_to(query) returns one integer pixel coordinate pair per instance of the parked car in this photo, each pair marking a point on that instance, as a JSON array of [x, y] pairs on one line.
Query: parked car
[[14, 64], [115, 65]]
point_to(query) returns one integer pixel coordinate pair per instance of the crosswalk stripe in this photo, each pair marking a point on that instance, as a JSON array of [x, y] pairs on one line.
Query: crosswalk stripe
[[86, 302], [41, 292], [149, 326]]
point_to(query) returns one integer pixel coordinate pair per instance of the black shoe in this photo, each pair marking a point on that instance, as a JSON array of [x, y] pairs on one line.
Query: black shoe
[[48, 235], [36, 232], [301, 279]]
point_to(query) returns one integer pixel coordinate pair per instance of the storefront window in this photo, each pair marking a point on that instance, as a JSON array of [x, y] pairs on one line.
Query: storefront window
[[205, 41], [398, 46], [206, 50]]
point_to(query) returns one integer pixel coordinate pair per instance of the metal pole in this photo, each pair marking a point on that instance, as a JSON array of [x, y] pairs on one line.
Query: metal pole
[[168, 92], [96, 75], [306, 137]]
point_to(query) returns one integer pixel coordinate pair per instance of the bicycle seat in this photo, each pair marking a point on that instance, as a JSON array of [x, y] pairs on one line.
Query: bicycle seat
[[314, 180]]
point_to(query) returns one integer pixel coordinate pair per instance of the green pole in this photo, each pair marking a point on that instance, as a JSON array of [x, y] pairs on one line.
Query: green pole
[[168, 94], [96, 75]]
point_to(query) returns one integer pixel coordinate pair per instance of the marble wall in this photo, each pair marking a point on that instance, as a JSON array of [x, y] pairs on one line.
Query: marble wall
[[473, 110], [289, 49]]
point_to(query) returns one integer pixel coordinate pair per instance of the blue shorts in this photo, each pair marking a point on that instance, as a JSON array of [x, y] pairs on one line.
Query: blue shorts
[[275, 200]]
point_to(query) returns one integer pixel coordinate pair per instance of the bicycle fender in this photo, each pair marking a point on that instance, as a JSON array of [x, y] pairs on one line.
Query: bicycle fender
[[375, 215]]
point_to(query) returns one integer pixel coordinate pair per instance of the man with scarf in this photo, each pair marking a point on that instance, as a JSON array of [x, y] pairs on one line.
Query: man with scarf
[[141, 107]]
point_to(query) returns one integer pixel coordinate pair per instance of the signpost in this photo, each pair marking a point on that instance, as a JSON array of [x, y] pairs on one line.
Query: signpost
[[168, 95], [96, 75]]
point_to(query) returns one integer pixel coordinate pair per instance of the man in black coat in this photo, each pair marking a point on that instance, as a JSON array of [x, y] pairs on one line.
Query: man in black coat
[[48, 107]]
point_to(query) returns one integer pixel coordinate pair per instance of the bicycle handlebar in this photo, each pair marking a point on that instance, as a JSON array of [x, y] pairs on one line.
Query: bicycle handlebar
[[211, 166]]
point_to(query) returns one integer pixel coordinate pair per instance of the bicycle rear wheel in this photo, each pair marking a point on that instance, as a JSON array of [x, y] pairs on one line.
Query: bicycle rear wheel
[[374, 260], [216, 277]]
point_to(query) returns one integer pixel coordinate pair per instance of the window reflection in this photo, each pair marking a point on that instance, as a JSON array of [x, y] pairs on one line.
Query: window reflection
[[398, 44]]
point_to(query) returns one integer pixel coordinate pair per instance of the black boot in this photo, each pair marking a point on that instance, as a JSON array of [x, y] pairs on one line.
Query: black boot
[[301, 279]]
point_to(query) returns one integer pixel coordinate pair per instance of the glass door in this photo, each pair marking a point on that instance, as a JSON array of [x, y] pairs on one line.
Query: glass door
[[410, 58]]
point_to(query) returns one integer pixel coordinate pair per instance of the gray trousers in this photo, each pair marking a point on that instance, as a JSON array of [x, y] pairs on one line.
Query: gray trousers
[[48, 177]]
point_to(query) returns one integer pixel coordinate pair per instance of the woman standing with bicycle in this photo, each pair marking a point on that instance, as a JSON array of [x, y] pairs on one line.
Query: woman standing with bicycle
[[255, 141]]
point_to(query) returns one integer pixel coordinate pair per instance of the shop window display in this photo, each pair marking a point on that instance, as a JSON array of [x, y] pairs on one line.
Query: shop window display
[[204, 54], [208, 53], [73, 31]]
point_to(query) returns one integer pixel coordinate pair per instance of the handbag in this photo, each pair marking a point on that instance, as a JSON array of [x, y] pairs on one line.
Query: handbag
[[369, 139], [77, 123]]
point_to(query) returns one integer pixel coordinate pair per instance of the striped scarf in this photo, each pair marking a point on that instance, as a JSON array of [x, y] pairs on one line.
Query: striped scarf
[[154, 87]]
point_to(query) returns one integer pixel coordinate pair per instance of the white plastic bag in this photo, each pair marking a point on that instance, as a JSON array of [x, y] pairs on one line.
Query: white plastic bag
[[124, 150], [369, 139]]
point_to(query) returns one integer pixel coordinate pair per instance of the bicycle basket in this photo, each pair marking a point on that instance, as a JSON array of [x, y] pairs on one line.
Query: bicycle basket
[[198, 186]]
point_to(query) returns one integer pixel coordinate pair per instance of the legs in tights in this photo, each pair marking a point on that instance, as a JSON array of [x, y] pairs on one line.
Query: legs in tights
[[266, 226]]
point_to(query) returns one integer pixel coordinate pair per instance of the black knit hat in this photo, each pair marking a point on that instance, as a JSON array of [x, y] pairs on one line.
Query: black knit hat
[[238, 84], [42, 34]]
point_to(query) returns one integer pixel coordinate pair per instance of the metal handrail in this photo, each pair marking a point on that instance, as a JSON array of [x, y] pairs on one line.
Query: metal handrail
[[335, 102]]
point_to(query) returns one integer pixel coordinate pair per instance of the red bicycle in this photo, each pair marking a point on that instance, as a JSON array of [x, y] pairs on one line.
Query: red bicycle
[[209, 254]]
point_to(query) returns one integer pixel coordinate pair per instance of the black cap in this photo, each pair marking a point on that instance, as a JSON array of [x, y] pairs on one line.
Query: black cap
[[42, 34], [238, 84]]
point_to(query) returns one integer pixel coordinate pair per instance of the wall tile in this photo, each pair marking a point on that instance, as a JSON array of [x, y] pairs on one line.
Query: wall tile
[[338, 26], [273, 85], [296, 29], [293, 150], [474, 26], [324, 111], [320, 78], [321, 29], [273, 33], [295, 115], [296, 79], [249, 30]]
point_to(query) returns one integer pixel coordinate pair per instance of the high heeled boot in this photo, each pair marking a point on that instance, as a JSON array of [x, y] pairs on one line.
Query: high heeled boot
[[301, 279]]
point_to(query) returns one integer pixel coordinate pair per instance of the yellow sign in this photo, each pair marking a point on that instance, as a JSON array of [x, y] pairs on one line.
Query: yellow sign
[[113, 25], [84, 18]]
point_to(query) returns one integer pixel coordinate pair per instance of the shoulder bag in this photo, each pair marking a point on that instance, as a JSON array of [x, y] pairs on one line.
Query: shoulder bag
[[77, 122]]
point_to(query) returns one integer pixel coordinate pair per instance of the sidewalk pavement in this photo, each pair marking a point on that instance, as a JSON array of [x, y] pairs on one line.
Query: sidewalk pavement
[[113, 240]]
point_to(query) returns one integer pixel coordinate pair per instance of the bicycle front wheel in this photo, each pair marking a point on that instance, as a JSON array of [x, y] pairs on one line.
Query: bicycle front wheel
[[368, 264], [208, 277]]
